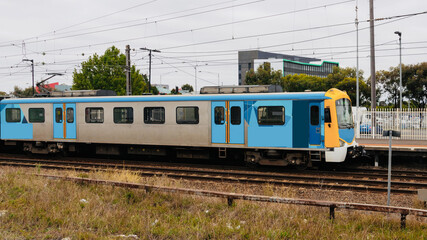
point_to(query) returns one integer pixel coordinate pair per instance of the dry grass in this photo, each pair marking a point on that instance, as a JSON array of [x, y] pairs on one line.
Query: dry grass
[[37, 208]]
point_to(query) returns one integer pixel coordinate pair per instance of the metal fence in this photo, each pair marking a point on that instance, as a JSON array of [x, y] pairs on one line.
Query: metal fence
[[412, 123]]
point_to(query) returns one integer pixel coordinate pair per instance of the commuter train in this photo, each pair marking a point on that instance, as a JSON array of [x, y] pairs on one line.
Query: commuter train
[[277, 129]]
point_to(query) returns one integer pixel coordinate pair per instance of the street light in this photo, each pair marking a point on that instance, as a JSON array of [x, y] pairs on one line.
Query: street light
[[195, 74], [32, 69], [212, 73], [149, 68], [400, 64]]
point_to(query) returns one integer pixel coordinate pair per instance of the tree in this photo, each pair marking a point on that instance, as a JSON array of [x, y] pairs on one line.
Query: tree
[[187, 87], [264, 75], [22, 93], [107, 72], [414, 83]]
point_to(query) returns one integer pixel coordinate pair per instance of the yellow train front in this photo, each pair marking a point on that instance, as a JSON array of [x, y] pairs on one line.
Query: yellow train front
[[339, 127]]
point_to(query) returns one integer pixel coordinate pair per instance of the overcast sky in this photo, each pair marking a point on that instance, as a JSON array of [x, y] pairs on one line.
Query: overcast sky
[[204, 35]]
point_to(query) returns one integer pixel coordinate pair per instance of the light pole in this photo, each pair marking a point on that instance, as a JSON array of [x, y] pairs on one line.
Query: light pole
[[32, 70], [149, 68], [400, 64], [195, 74]]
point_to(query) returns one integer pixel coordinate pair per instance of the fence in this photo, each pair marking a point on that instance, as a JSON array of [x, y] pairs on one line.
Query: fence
[[412, 123]]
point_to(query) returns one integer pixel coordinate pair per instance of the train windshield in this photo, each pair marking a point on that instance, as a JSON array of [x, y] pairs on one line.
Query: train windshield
[[344, 115]]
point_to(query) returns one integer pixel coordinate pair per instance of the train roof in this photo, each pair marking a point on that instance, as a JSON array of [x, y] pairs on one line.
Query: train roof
[[169, 98]]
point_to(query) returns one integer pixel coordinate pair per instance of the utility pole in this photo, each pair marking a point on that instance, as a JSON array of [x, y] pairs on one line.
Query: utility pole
[[400, 64], [32, 69], [373, 80], [357, 73], [149, 66], [128, 80]]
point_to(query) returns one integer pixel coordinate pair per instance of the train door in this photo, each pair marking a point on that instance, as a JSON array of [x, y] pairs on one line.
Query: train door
[[227, 122], [64, 121], [315, 130]]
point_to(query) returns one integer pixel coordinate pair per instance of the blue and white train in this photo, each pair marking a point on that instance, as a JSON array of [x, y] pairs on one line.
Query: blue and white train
[[268, 129]]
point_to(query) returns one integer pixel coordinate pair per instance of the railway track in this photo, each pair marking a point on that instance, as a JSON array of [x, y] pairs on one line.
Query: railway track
[[367, 180]]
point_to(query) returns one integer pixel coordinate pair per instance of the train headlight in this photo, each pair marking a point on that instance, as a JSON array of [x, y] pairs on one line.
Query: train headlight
[[342, 143]]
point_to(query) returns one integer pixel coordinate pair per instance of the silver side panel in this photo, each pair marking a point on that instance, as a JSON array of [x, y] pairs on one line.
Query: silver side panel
[[169, 133], [41, 131]]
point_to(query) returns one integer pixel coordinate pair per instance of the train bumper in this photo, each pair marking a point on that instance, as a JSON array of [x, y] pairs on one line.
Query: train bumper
[[339, 154]]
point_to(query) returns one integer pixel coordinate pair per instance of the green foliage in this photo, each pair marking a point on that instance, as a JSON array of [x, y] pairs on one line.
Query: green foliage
[[414, 82], [187, 87], [264, 75], [19, 92], [107, 72]]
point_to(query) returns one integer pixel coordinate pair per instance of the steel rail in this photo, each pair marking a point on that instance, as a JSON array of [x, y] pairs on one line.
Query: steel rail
[[194, 174]]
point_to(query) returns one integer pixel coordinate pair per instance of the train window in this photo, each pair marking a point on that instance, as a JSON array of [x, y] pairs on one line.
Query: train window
[[235, 116], [271, 115], [314, 115], [94, 115], [13, 115], [328, 115], [36, 115], [58, 115], [187, 115], [70, 115], [219, 115], [123, 115], [154, 115]]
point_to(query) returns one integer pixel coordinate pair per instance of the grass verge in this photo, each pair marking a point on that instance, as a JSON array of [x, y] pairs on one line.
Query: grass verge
[[37, 208]]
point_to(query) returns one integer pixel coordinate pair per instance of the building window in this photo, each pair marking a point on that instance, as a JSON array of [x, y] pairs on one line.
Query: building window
[[36, 115], [271, 115], [94, 115], [13, 115], [70, 115], [187, 115], [154, 115], [235, 116], [123, 115]]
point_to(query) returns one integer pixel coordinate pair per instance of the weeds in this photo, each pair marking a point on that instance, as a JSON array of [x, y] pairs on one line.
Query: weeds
[[38, 208]]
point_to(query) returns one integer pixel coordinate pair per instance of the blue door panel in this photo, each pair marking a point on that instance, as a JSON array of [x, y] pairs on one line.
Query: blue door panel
[[315, 124], [64, 124], [237, 131], [58, 122], [227, 131], [71, 121], [218, 129]]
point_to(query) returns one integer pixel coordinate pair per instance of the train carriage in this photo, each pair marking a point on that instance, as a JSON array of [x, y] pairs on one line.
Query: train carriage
[[268, 129]]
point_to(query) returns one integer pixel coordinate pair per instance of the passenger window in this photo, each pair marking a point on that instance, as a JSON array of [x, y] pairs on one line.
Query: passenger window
[[36, 115], [154, 115], [219, 115], [314, 115], [187, 115], [94, 115], [13, 115], [58, 115], [235, 116], [271, 115], [328, 115], [70, 115], [123, 115]]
